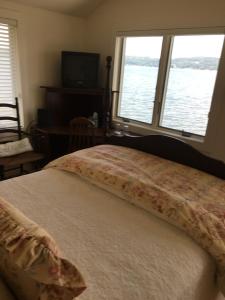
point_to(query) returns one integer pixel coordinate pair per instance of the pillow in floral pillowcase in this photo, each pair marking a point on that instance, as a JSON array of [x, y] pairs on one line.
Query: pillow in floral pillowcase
[[30, 262]]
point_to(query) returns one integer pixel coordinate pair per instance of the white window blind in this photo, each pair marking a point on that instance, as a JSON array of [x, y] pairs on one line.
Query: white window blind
[[8, 70]]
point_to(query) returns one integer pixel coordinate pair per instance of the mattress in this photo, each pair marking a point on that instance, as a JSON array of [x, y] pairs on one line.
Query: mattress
[[122, 251]]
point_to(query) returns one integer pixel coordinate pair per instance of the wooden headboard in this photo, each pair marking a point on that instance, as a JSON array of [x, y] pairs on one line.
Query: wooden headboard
[[171, 149]]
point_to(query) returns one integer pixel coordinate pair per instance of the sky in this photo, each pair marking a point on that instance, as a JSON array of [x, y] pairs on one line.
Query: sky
[[184, 46]]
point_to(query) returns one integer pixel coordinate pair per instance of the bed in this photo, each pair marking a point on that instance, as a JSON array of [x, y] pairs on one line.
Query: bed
[[122, 250]]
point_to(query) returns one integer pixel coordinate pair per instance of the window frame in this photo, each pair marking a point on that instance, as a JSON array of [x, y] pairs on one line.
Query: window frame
[[162, 80]]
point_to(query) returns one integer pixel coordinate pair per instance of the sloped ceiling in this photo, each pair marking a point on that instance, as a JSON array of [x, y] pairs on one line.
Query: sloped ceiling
[[79, 8]]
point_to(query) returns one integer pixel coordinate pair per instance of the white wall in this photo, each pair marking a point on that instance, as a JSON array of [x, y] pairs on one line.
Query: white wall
[[130, 15], [123, 15], [42, 35]]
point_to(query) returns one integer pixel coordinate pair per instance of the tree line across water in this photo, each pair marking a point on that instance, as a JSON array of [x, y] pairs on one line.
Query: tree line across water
[[200, 63]]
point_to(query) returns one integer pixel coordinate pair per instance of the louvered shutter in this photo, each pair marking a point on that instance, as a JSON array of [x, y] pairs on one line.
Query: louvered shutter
[[8, 70]]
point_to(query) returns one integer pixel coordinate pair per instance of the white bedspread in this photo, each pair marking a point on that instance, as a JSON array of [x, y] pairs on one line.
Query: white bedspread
[[123, 252]]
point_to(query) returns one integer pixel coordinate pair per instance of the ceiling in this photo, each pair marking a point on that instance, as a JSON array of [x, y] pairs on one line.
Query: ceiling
[[80, 8]]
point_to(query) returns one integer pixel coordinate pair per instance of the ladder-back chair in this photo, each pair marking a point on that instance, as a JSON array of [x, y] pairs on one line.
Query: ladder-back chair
[[17, 161], [82, 134]]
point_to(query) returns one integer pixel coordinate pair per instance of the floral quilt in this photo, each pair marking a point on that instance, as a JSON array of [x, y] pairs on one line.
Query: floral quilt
[[190, 199]]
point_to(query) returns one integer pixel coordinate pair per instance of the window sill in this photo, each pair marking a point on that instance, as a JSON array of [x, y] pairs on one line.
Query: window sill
[[147, 129]]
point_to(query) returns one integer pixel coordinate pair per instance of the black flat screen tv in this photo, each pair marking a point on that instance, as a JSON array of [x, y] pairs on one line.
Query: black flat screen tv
[[80, 69]]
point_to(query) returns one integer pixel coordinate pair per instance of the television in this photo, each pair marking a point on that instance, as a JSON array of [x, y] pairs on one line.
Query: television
[[80, 69]]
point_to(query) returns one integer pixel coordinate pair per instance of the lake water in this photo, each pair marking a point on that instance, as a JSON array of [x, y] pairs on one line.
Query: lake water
[[188, 97]]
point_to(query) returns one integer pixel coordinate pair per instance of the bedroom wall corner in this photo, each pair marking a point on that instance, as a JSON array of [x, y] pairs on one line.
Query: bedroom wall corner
[[42, 35]]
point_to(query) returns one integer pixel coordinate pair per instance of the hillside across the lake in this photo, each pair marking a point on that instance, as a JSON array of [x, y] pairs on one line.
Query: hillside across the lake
[[201, 63]]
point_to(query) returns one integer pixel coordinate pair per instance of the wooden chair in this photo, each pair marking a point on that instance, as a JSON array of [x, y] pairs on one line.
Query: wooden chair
[[11, 134], [82, 134]]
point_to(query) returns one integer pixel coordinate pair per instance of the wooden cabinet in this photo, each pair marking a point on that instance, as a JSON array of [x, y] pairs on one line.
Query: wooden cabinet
[[63, 104]]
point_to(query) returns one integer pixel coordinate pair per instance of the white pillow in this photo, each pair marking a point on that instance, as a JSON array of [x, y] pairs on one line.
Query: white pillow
[[16, 147]]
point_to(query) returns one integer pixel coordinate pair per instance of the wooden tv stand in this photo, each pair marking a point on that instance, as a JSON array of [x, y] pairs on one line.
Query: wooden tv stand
[[63, 104]]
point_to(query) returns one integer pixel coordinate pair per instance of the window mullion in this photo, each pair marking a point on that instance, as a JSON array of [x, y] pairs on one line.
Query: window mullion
[[118, 75], [162, 79]]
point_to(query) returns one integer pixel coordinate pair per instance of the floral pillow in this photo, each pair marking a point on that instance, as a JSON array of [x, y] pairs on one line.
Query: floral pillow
[[30, 262]]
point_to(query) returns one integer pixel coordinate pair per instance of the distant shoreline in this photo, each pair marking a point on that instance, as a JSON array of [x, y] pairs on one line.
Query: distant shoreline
[[199, 63]]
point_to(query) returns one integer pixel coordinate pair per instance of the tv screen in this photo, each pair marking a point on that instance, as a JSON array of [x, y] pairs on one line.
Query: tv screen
[[80, 69]]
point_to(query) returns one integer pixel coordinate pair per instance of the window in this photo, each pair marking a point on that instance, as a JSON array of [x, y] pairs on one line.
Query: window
[[139, 78], [167, 81], [9, 83]]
